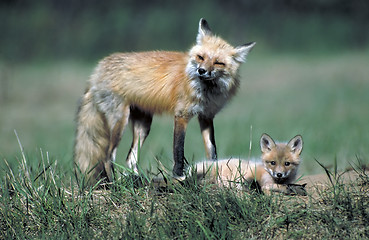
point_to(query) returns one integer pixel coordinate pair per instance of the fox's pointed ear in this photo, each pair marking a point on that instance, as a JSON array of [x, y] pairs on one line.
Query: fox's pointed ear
[[204, 30], [296, 144], [242, 51], [266, 143]]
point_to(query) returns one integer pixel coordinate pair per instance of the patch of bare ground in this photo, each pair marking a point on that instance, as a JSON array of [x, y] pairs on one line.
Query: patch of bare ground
[[320, 182]]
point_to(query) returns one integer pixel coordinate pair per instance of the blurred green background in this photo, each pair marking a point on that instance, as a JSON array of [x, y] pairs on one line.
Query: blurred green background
[[87, 30], [308, 73]]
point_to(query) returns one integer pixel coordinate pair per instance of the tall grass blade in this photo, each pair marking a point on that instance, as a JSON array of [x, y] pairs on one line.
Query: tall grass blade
[[250, 142], [203, 230], [329, 174]]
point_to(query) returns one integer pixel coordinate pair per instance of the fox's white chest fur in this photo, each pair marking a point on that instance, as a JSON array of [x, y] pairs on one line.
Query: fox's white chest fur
[[212, 95]]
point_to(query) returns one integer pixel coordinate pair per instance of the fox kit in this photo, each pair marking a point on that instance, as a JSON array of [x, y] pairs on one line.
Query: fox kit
[[134, 86], [277, 168]]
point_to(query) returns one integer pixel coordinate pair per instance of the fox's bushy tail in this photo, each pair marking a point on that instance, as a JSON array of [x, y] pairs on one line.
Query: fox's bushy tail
[[92, 141]]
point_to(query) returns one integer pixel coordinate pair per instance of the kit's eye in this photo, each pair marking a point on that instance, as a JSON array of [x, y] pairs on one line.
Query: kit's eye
[[287, 164], [272, 163], [201, 58]]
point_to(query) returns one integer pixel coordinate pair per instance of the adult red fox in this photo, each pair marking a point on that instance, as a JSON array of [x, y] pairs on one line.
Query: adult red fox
[[133, 86]]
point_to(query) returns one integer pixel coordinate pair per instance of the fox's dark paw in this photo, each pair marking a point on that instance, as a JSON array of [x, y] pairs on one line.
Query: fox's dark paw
[[296, 189]]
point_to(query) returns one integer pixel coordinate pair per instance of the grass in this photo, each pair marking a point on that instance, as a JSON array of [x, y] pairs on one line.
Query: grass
[[38, 201], [323, 98]]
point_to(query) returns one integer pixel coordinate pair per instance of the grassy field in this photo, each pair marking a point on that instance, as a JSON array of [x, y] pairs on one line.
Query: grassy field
[[39, 202], [324, 98]]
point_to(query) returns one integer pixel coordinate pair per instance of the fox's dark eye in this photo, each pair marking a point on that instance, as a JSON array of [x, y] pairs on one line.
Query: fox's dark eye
[[219, 63], [201, 58], [272, 162], [287, 163]]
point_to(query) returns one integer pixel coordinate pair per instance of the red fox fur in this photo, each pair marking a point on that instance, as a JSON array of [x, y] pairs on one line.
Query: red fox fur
[[133, 86], [273, 172]]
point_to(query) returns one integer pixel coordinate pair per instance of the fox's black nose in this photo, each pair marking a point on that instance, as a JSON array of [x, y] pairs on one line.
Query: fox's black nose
[[279, 175], [201, 71]]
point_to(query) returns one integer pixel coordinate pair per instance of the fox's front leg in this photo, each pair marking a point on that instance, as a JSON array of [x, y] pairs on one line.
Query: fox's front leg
[[290, 189], [180, 125], [207, 131], [274, 187]]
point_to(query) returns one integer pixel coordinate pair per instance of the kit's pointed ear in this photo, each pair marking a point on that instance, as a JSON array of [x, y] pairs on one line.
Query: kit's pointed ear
[[295, 145], [266, 143], [242, 51], [204, 30]]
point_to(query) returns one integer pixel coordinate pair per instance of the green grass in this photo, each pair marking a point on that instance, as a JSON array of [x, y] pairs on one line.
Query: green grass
[[38, 201], [323, 98]]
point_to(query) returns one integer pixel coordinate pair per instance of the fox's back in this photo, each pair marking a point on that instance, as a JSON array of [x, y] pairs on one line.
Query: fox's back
[[144, 62], [232, 169], [151, 80], [142, 68]]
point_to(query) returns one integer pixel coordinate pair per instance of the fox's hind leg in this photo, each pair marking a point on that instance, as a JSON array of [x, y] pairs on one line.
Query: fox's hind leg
[[141, 124], [117, 123], [116, 113]]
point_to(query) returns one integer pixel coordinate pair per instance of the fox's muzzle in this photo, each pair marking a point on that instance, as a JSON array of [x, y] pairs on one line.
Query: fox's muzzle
[[201, 71], [204, 75], [280, 177]]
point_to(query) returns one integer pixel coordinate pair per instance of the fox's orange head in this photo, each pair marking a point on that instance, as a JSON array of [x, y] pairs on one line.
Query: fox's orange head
[[281, 160], [213, 58]]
